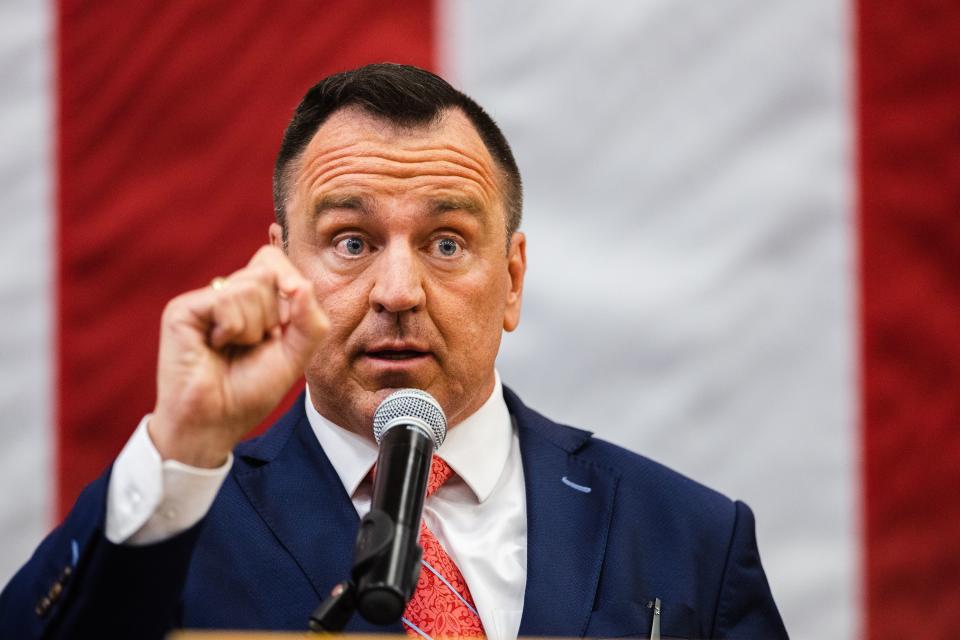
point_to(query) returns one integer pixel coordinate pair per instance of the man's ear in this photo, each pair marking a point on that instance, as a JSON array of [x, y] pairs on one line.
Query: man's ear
[[516, 269], [276, 235]]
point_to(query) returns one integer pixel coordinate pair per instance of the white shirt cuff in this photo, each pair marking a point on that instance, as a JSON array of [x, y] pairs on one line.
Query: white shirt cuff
[[150, 499]]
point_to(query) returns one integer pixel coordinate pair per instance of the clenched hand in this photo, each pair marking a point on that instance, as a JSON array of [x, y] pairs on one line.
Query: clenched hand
[[228, 355]]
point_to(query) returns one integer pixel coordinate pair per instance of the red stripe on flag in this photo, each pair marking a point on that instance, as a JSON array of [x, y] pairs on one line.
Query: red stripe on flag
[[910, 232], [170, 115]]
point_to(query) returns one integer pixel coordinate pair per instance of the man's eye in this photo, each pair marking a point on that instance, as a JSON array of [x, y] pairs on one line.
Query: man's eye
[[352, 246], [447, 247]]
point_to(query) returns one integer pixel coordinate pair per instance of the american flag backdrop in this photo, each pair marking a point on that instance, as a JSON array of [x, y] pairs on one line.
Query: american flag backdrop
[[743, 222]]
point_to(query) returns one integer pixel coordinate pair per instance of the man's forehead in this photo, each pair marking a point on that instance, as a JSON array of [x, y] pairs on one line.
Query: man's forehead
[[353, 124], [353, 144]]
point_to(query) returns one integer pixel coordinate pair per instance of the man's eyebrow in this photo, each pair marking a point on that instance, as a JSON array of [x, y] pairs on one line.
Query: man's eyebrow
[[331, 201], [454, 203]]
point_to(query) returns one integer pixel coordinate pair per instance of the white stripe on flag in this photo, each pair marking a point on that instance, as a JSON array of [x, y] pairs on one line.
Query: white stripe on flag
[[26, 207], [690, 241]]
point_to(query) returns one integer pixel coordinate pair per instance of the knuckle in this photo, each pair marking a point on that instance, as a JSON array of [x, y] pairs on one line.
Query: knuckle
[[255, 280], [226, 314], [258, 272], [241, 292], [267, 278], [266, 254], [238, 290], [174, 308]]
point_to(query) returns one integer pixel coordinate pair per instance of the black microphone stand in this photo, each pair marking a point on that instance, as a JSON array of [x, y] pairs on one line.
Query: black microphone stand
[[374, 539], [333, 614], [376, 536]]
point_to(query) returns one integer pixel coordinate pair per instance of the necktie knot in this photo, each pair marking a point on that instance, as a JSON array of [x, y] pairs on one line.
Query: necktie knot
[[440, 472]]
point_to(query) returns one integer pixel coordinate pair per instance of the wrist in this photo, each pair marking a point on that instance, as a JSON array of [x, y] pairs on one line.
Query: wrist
[[190, 446]]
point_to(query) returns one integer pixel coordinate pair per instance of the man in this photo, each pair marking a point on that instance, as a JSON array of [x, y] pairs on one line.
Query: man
[[395, 262]]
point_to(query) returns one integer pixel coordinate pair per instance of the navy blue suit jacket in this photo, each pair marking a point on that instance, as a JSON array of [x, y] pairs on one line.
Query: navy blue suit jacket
[[608, 532]]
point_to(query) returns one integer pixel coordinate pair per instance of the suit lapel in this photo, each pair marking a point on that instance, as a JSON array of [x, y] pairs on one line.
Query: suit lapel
[[569, 505], [297, 492]]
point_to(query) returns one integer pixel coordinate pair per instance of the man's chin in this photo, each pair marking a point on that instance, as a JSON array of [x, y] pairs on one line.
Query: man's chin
[[353, 405], [383, 385]]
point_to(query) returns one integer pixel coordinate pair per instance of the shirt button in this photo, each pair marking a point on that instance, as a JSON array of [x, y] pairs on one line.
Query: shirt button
[[170, 513], [133, 494]]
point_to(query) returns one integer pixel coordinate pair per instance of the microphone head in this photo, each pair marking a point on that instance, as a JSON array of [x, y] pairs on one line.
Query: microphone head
[[411, 407]]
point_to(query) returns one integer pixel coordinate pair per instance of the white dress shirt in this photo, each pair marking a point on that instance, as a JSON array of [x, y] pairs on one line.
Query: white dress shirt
[[478, 515]]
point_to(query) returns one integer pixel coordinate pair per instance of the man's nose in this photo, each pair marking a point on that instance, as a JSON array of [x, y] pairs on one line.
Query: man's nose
[[399, 283]]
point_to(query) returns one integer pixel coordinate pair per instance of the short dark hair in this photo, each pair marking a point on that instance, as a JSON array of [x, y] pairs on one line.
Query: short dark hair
[[401, 94]]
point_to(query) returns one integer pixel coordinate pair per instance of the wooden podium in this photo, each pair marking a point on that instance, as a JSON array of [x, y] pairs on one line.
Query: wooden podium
[[273, 635], [266, 635]]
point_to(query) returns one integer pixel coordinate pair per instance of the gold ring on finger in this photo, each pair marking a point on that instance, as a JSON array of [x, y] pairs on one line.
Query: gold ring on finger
[[218, 283]]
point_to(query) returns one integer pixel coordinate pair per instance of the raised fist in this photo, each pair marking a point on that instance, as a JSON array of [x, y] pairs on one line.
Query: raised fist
[[228, 354]]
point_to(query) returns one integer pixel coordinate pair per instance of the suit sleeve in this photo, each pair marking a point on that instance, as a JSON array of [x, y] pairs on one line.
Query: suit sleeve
[[746, 608], [79, 584]]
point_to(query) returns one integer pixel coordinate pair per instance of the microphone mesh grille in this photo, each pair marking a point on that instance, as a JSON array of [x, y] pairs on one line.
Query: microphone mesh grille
[[410, 403]]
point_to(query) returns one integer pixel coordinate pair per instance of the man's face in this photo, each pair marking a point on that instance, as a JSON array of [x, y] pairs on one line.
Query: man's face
[[403, 233]]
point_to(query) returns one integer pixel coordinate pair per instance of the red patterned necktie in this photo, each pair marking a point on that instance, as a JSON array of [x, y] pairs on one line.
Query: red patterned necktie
[[441, 605]]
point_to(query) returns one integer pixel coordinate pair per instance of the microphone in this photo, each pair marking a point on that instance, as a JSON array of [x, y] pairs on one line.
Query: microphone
[[408, 425]]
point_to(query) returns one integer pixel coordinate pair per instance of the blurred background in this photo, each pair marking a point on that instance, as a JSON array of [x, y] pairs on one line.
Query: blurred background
[[743, 223]]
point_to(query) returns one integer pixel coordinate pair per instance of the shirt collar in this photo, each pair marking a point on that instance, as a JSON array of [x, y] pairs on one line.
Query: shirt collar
[[489, 430], [351, 455]]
